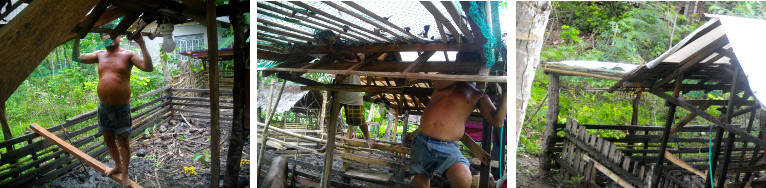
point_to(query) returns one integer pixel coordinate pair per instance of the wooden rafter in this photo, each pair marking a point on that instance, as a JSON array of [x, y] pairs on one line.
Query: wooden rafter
[[270, 23], [334, 28], [458, 20], [275, 31], [376, 17], [439, 17], [320, 12], [719, 40], [372, 89], [275, 37], [349, 12], [91, 19], [415, 66], [123, 26], [388, 48], [366, 36]]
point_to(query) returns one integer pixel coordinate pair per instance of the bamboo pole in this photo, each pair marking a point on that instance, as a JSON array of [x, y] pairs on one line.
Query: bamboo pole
[[266, 128]]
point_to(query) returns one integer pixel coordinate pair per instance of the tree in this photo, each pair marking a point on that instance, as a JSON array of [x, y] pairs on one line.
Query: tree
[[531, 20]]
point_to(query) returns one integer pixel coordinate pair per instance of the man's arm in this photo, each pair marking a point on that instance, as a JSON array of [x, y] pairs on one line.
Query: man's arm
[[89, 58], [145, 63], [492, 115]]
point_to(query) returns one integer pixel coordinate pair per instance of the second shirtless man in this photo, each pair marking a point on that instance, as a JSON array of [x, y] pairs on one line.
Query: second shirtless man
[[114, 65], [442, 125]]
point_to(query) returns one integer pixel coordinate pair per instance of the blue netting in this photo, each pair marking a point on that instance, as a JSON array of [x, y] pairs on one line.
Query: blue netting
[[477, 11]]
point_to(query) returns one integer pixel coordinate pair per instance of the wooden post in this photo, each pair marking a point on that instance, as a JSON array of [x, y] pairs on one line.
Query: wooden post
[[666, 135], [552, 119], [730, 143], [486, 145], [215, 140], [328, 158], [4, 122]]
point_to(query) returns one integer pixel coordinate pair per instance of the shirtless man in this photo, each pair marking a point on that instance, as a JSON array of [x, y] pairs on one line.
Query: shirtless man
[[114, 65], [352, 103], [442, 125]]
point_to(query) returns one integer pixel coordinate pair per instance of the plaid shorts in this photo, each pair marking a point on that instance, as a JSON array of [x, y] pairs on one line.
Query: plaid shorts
[[354, 114]]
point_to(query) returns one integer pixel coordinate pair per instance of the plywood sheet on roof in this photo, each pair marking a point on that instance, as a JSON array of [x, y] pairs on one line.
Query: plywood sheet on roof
[[747, 39]]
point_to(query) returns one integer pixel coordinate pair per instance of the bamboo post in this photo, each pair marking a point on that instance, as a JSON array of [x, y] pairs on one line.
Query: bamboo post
[[266, 128], [325, 181], [552, 118]]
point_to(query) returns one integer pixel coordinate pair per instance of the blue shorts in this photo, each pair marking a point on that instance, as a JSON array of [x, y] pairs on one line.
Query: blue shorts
[[114, 119], [429, 154]]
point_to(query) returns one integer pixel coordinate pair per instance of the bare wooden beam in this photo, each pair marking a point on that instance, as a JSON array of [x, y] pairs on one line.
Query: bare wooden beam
[[372, 89], [717, 36], [270, 23], [458, 20], [707, 116], [387, 48], [140, 25], [675, 160], [439, 17], [415, 66], [84, 157], [275, 37], [476, 151], [91, 19], [325, 26], [349, 12], [320, 12], [376, 17], [288, 34], [687, 119], [126, 22]]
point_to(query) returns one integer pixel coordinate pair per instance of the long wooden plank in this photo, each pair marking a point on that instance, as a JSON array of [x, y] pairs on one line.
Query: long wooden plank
[[683, 164], [386, 48], [381, 19], [97, 165], [477, 152], [373, 161], [363, 144]]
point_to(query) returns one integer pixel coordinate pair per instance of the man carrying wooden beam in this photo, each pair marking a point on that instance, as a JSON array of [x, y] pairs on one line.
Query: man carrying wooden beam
[[442, 125], [114, 65]]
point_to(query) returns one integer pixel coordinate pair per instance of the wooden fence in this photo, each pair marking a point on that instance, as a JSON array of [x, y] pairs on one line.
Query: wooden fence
[[587, 154], [35, 160]]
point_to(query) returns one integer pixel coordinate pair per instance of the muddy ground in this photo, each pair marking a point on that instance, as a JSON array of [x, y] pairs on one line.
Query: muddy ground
[[158, 159]]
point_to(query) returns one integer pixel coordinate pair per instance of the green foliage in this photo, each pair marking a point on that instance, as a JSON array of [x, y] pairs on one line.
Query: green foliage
[[748, 9], [570, 34]]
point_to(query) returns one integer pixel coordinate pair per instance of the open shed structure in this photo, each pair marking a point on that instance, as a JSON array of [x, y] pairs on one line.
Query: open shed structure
[[722, 56], [42, 25], [459, 38]]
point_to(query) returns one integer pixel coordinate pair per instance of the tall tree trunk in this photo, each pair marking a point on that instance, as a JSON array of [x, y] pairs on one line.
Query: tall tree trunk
[[241, 92], [531, 19]]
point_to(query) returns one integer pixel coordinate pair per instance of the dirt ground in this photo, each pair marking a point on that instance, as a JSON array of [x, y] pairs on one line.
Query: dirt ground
[[158, 160], [527, 173]]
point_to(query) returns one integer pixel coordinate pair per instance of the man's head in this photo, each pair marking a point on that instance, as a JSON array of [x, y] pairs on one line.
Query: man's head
[[105, 38]]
